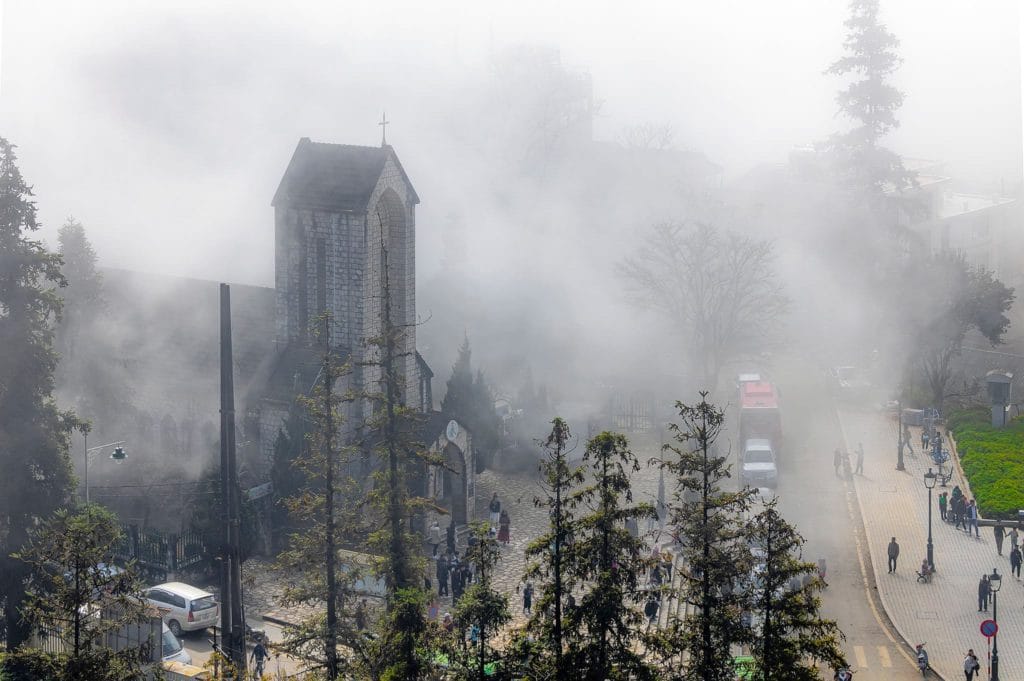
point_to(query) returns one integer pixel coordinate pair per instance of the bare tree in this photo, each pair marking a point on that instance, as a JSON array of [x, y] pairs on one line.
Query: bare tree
[[648, 136], [720, 290]]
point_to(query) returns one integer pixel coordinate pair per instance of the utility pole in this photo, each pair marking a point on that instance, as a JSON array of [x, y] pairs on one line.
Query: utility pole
[[231, 619]]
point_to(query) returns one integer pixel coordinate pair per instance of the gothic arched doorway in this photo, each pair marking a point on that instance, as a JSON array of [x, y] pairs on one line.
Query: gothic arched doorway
[[455, 484]]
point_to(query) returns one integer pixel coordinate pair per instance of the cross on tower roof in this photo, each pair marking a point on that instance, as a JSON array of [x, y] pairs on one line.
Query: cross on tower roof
[[384, 129]]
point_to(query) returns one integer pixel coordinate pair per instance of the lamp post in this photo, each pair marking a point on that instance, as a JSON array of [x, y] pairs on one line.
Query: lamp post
[[117, 456], [929, 482], [899, 437], [994, 582]]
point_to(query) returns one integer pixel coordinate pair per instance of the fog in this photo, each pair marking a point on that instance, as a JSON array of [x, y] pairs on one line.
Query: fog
[[165, 128]]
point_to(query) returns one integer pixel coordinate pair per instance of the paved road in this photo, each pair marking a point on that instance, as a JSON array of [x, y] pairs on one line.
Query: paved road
[[826, 514]]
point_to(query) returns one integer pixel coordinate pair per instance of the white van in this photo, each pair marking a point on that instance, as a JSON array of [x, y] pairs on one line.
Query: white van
[[759, 468], [183, 607]]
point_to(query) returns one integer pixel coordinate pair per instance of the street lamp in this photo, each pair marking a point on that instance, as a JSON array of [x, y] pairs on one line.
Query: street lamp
[[899, 437], [994, 582], [118, 456], [929, 482]]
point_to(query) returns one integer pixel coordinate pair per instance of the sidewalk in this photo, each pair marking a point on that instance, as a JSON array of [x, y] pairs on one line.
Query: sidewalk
[[943, 613]]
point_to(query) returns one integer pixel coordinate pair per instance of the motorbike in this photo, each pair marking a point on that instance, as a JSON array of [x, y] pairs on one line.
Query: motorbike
[[844, 674], [922, 659]]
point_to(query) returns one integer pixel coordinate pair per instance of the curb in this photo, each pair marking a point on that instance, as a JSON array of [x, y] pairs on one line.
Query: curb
[[868, 571]]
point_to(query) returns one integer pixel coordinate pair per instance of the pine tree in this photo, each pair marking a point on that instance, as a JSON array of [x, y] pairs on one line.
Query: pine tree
[[606, 561], [33, 431], [77, 594], [871, 101], [391, 434], [470, 401], [708, 522], [547, 554], [83, 297], [792, 631], [328, 509]]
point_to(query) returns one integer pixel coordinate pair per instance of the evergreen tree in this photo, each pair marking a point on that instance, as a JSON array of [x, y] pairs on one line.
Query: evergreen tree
[[606, 561], [78, 595], [286, 472], [792, 631], [708, 521], [328, 509], [470, 401], [547, 555], [391, 434], [33, 431], [871, 101], [83, 297]]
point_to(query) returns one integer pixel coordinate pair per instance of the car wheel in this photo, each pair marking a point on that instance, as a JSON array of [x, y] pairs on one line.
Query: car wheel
[[175, 628]]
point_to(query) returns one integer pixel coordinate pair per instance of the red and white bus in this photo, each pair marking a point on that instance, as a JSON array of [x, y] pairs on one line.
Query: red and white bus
[[760, 414]]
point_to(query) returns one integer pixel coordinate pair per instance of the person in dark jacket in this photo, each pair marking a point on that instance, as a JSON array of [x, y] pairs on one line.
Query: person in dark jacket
[[984, 591], [442, 576], [651, 609], [894, 553], [999, 531], [942, 505], [1015, 561]]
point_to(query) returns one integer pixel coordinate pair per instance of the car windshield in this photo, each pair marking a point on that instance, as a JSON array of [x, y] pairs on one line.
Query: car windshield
[[758, 456], [171, 644], [204, 603]]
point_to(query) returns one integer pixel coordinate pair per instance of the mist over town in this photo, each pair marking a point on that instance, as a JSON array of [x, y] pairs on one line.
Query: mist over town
[[462, 340]]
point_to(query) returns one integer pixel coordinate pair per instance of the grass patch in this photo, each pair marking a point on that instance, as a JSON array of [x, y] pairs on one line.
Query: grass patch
[[992, 459]]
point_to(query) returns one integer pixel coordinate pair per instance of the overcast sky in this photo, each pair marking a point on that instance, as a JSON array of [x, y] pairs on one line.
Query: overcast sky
[[165, 126]]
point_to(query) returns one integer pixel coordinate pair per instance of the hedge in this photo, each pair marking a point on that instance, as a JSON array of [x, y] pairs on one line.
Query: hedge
[[992, 459]]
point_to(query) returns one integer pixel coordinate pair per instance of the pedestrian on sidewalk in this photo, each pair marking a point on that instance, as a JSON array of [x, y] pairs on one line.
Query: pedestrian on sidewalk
[[505, 523], [971, 665], [942, 505], [907, 440], [894, 553], [837, 461], [495, 508], [528, 598], [860, 459], [972, 514], [960, 511], [1015, 560], [1014, 538], [434, 537], [998, 529], [651, 609], [449, 537], [442, 576], [984, 591]]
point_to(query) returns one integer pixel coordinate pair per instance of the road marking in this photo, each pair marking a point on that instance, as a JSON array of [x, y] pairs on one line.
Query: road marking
[[862, 659], [858, 520], [883, 653]]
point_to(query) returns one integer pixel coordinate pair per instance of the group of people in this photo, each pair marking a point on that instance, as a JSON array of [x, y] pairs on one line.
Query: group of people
[[841, 461], [961, 511], [451, 569]]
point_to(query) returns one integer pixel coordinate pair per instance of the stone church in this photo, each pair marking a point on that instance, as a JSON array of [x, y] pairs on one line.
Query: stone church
[[342, 214]]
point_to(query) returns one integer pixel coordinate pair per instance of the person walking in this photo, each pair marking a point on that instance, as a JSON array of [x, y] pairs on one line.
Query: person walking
[[651, 609], [449, 537], [495, 508], [971, 665], [458, 584], [998, 530], [894, 553], [984, 591], [860, 459], [505, 524], [907, 440], [442, 576], [1015, 560], [434, 537], [972, 512], [1014, 538], [943, 501], [528, 598], [960, 511], [258, 657], [837, 461]]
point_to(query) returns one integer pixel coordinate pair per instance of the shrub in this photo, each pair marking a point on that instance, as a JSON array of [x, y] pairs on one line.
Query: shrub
[[992, 459]]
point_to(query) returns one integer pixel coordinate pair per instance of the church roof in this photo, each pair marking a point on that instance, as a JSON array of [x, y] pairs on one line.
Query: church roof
[[335, 176]]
